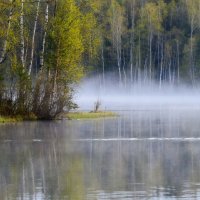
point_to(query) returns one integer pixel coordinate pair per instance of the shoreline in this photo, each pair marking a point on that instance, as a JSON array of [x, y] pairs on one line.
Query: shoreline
[[90, 115], [64, 116]]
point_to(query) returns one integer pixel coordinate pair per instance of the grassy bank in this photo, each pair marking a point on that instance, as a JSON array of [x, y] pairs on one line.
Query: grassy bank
[[10, 119], [89, 115], [71, 115], [17, 118]]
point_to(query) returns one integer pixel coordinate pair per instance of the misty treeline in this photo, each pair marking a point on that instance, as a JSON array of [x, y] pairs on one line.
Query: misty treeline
[[43, 47], [150, 40], [46, 46]]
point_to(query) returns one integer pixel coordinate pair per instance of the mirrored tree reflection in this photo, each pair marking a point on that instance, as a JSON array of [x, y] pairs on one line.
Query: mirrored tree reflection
[[39, 168], [137, 155]]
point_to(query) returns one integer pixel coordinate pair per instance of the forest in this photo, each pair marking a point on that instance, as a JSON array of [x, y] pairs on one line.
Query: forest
[[48, 46]]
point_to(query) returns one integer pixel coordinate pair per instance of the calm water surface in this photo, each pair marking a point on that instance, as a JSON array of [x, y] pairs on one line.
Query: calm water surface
[[142, 154]]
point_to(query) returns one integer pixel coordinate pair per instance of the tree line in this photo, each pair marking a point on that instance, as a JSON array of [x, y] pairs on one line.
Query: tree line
[[43, 47], [46, 46], [150, 40]]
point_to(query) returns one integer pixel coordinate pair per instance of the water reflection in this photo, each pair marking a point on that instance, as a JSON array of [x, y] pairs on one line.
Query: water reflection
[[36, 163], [94, 159]]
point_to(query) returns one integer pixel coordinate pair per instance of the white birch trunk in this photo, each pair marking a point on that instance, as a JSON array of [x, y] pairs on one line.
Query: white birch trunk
[[124, 71], [161, 66], [33, 38], [116, 38], [132, 38], [119, 49], [150, 56], [119, 64], [22, 34], [178, 64], [3, 54], [131, 65], [191, 67], [139, 55], [170, 76], [103, 65], [44, 37]]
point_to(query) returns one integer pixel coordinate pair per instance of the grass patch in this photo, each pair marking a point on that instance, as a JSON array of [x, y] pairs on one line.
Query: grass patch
[[89, 115], [71, 115], [10, 119], [17, 118]]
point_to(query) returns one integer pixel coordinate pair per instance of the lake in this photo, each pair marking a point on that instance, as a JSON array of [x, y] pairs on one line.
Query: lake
[[142, 154]]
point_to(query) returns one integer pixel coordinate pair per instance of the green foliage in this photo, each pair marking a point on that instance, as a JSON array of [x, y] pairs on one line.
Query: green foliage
[[65, 45], [9, 119], [151, 39], [152, 16], [193, 11], [90, 115], [66, 39]]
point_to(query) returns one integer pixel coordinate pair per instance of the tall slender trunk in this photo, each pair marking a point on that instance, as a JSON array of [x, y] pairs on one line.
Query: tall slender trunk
[[44, 36], [5, 44], [132, 39], [116, 38], [145, 78], [150, 55], [33, 38], [103, 64], [139, 56], [119, 64], [131, 65], [119, 53], [22, 34], [178, 63], [170, 75], [124, 71], [161, 65], [191, 67], [158, 52], [56, 70], [150, 37]]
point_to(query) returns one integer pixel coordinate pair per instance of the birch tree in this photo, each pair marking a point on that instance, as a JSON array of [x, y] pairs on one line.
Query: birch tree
[[64, 51], [193, 9], [132, 46], [117, 30], [44, 35], [152, 16], [33, 38], [5, 42], [22, 34]]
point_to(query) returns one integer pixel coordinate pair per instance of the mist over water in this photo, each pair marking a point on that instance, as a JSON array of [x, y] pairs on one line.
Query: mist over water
[[150, 151], [135, 96]]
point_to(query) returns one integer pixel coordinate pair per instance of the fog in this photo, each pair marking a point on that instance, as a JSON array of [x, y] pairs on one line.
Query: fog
[[144, 95]]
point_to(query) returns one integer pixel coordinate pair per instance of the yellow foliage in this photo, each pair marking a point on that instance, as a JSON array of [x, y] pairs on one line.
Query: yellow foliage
[[152, 16]]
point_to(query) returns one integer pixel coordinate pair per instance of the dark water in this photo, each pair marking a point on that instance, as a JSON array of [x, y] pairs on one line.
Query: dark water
[[143, 154]]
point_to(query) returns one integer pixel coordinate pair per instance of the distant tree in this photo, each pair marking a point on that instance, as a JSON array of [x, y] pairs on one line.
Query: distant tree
[[193, 9], [116, 23]]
